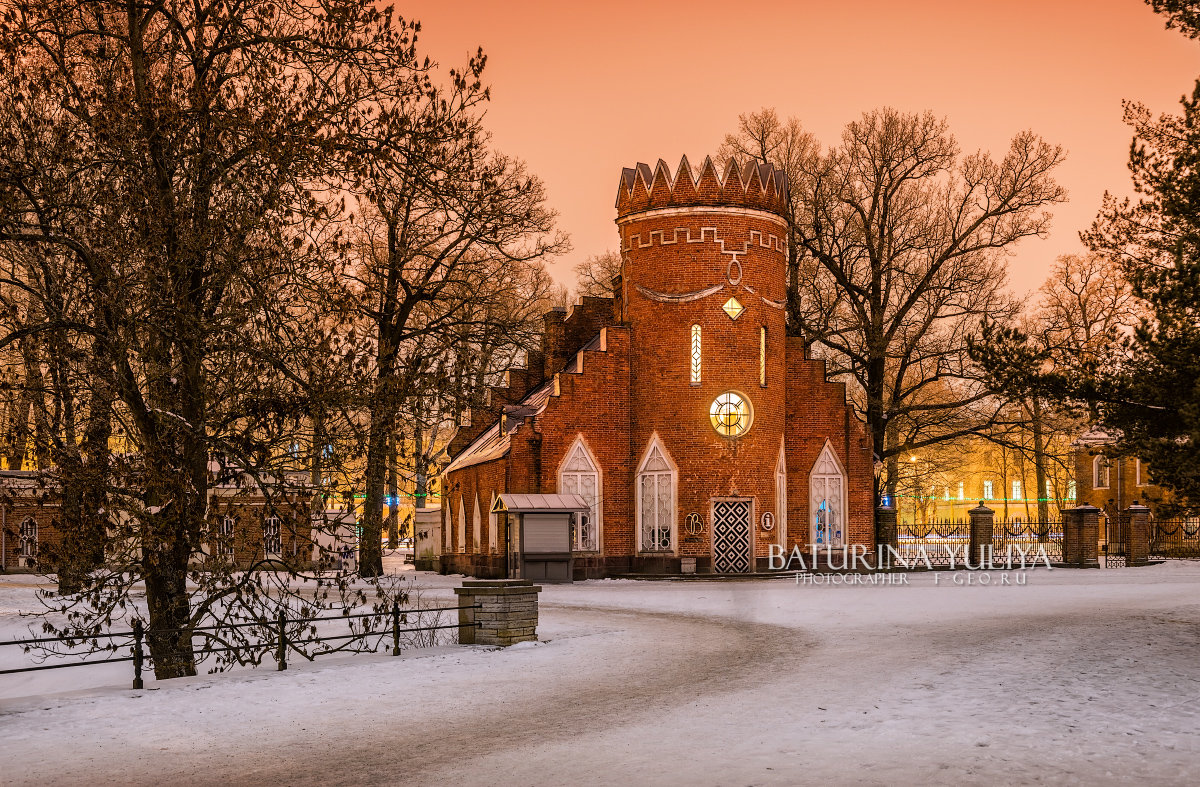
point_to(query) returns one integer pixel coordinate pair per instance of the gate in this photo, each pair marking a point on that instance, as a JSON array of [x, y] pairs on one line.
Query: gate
[[1114, 544], [731, 536]]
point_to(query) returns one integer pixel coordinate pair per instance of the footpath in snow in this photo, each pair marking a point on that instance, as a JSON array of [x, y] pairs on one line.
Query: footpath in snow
[[1076, 676]]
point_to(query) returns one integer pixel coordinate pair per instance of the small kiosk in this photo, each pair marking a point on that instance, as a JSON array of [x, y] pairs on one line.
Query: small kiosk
[[538, 534]]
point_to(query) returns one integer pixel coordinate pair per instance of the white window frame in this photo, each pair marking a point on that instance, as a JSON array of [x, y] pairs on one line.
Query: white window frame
[[781, 495], [962, 491], [477, 527], [695, 357], [462, 525], [1018, 491], [1101, 461], [813, 505], [493, 525], [989, 491], [270, 523], [672, 477], [1139, 479], [226, 533], [29, 533], [579, 447]]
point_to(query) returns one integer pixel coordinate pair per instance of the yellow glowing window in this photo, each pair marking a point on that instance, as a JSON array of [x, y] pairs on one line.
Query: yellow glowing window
[[730, 415], [695, 354], [733, 308], [762, 356]]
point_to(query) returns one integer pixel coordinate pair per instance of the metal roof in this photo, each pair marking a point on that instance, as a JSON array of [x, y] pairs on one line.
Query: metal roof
[[516, 504]]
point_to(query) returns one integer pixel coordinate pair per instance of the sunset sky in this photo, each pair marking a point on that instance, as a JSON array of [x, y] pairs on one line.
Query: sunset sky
[[583, 89]]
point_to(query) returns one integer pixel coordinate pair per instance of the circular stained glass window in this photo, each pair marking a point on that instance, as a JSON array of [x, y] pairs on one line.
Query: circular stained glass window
[[730, 414]]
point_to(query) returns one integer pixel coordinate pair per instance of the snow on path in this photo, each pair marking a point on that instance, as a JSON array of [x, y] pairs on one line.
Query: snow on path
[[1079, 676]]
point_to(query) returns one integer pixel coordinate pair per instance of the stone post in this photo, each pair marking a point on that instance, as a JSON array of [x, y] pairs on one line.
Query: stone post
[[886, 533], [507, 611], [1081, 536], [1138, 549], [980, 547]]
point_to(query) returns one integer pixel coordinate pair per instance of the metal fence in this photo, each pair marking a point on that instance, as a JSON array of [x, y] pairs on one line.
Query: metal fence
[[1012, 539], [273, 637], [1175, 538], [947, 543], [942, 543]]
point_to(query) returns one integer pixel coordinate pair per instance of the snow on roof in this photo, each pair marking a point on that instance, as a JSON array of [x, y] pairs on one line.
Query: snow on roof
[[518, 503], [492, 444]]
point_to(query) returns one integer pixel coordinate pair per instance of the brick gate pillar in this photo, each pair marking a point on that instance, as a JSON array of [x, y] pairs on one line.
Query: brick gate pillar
[[507, 611], [886, 533], [1138, 549], [1081, 536], [982, 519]]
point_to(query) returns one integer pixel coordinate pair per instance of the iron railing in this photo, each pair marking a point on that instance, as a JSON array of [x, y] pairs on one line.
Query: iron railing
[[942, 543], [1032, 539], [1175, 538], [276, 638]]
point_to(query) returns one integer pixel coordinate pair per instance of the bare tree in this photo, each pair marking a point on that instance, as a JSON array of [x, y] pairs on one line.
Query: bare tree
[[908, 241], [171, 162], [594, 275], [784, 144], [448, 231]]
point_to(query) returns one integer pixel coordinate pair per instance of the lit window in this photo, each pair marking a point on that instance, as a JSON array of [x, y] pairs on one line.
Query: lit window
[[826, 496], [1100, 468], [1071, 489], [271, 538], [987, 490], [730, 415], [1141, 475], [962, 492], [1016, 490], [733, 308], [762, 356], [695, 355]]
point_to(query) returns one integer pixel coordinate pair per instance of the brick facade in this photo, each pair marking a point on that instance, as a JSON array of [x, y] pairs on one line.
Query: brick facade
[[618, 376]]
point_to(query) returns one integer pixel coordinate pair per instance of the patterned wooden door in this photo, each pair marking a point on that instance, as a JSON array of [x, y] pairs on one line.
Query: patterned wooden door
[[731, 537]]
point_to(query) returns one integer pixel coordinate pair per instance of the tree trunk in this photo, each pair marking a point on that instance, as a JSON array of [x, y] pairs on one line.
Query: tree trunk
[[370, 550], [1039, 460], [393, 485]]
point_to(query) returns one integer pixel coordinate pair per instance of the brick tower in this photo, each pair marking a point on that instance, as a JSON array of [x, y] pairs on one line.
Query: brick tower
[[703, 293]]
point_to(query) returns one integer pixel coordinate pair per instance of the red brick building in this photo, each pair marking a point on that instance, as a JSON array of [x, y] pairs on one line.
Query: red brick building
[[679, 409]]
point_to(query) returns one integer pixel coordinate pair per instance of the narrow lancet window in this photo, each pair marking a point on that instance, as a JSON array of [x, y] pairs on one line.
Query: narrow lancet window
[[762, 356], [695, 355]]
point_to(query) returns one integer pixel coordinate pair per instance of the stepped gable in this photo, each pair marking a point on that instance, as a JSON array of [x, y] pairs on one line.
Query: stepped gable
[[746, 184]]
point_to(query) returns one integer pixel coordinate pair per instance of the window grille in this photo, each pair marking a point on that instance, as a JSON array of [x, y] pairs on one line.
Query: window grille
[[696, 355], [580, 476], [225, 536], [656, 502], [271, 539], [827, 501], [29, 541], [1016, 492], [987, 491], [730, 415]]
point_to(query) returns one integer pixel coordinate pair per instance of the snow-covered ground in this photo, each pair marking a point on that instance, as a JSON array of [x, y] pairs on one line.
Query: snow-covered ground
[[1077, 676]]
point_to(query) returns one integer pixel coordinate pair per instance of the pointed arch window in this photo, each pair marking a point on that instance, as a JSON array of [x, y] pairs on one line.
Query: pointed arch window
[[579, 474], [827, 500], [695, 355], [272, 539], [1100, 472], [762, 356], [29, 542], [656, 500], [492, 524], [781, 497], [462, 526], [477, 527]]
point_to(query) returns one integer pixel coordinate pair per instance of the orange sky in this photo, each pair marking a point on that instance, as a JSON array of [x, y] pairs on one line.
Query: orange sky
[[581, 89]]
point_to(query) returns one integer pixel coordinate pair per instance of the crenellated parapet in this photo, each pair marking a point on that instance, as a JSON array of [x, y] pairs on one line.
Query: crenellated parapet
[[747, 184]]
